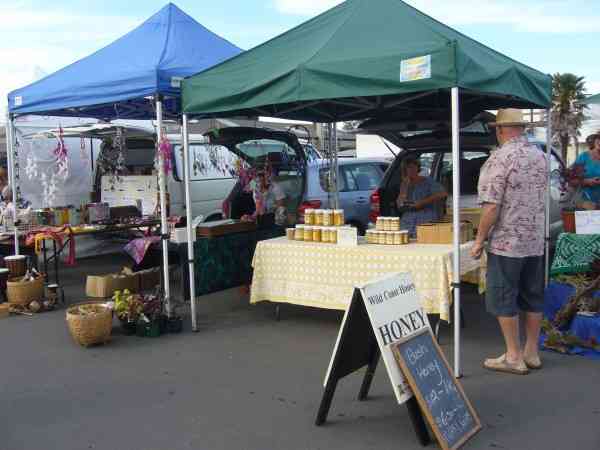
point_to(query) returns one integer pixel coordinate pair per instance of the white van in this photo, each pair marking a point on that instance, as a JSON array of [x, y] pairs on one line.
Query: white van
[[211, 171]]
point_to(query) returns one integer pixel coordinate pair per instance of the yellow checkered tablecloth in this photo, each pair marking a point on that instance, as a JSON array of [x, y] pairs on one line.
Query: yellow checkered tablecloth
[[324, 275]]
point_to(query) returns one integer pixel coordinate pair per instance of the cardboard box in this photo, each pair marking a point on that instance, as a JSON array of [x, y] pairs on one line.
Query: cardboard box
[[179, 235], [587, 222], [472, 215], [104, 286], [149, 279], [441, 233]]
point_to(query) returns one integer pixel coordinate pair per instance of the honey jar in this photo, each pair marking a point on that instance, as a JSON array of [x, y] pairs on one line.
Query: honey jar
[[290, 233], [327, 217], [316, 234], [395, 224], [381, 238], [405, 237], [387, 224], [369, 236], [380, 225], [299, 233], [318, 217], [308, 233], [338, 217], [325, 234], [333, 235], [389, 238], [397, 238], [309, 216]]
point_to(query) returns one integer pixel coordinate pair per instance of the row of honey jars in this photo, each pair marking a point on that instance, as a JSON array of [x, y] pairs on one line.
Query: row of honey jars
[[388, 237], [309, 233], [388, 224], [324, 217]]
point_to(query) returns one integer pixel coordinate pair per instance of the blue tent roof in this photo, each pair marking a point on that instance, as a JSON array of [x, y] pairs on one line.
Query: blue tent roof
[[116, 81]]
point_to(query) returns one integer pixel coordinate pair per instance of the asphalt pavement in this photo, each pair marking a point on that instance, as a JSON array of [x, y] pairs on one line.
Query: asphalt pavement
[[246, 381]]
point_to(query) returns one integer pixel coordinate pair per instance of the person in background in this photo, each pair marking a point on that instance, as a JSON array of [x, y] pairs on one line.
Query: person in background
[[420, 199], [269, 198], [512, 189], [3, 180], [590, 161]]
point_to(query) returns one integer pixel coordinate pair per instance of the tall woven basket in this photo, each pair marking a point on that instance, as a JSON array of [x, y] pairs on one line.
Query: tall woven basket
[[92, 327]]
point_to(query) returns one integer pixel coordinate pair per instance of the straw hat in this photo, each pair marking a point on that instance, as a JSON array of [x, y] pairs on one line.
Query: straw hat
[[510, 117]]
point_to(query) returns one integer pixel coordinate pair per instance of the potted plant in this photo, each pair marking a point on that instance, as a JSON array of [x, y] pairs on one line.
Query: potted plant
[[572, 177], [128, 308]]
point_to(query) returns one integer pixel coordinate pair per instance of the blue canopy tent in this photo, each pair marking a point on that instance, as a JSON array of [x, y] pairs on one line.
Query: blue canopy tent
[[137, 76]]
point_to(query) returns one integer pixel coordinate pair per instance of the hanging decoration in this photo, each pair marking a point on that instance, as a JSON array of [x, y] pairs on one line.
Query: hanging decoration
[[165, 150], [83, 153], [61, 154], [111, 161]]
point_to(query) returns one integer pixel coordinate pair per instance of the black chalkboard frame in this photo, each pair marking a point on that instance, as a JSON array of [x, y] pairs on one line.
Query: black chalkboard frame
[[421, 400]]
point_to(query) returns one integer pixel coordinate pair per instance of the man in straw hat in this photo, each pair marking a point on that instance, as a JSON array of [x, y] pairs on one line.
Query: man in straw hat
[[512, 187]]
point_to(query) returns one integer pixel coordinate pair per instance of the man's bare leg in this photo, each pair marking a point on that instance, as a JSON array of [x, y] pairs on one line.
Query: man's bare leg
[[510, 331], [533, 324]]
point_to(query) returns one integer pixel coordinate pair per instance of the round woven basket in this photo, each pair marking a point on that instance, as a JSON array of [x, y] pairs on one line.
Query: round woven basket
[[91, 328], [20, 292]]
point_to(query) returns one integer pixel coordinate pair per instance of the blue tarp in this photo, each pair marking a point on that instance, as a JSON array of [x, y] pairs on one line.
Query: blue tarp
[[584, 327], [116, 81]]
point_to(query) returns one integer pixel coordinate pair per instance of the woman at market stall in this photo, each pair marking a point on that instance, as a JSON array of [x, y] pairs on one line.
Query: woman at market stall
[[269, 199], [420, 199], [590, 161]]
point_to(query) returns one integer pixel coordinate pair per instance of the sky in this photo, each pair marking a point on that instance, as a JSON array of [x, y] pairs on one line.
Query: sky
[[39, 37]]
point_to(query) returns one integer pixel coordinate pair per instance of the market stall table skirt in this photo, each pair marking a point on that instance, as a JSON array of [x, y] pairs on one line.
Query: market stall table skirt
[[324, 275]]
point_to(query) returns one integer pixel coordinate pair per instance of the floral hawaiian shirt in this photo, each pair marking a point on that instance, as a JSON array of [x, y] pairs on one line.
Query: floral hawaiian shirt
[[515, 178]]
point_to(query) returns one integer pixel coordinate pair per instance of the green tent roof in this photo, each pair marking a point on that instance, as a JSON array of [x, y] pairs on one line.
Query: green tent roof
[[593, 99], [359, 59]]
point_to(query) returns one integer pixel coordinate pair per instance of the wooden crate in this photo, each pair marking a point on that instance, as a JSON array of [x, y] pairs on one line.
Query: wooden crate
[[441, 233], [221, 228]]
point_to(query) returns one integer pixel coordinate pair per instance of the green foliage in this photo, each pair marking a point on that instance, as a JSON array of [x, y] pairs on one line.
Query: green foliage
[[568, 113]]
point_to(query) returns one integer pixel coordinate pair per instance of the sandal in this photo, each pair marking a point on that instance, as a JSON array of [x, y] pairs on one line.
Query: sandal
[[500, 364], [533, 362]]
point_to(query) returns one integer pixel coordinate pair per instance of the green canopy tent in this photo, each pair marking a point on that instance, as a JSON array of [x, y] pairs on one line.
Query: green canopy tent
[[368, 59], [592, 100]]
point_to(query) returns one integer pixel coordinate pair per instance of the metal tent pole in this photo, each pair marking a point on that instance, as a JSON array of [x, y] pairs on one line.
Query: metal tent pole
[[162, 185], [456, 226], [10, 153], [189, 218], [548, 167], [334, 140]]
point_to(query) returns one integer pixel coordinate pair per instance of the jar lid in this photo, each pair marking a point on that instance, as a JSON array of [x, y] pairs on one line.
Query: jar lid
[[338, 211], [300, 226], [309, 211]]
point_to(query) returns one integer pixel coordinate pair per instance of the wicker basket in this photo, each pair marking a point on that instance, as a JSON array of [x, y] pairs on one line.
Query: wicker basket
[[19, 292], [92, 328]]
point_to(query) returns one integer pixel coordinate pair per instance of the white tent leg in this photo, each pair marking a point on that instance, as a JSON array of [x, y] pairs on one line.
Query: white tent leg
[[334, 140], [162, 185], [548, 164], [456, 226], [10, 153], [189, 218]]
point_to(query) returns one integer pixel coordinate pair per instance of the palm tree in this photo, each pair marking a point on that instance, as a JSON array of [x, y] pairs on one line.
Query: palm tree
[[568, 91]]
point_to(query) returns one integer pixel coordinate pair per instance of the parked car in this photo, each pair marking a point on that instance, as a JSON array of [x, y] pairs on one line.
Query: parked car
[[357, 180], [302, 173], [477, 141]]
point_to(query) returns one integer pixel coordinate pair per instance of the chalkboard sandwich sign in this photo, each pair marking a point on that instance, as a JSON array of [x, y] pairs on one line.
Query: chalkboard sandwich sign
[[439, 394]]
